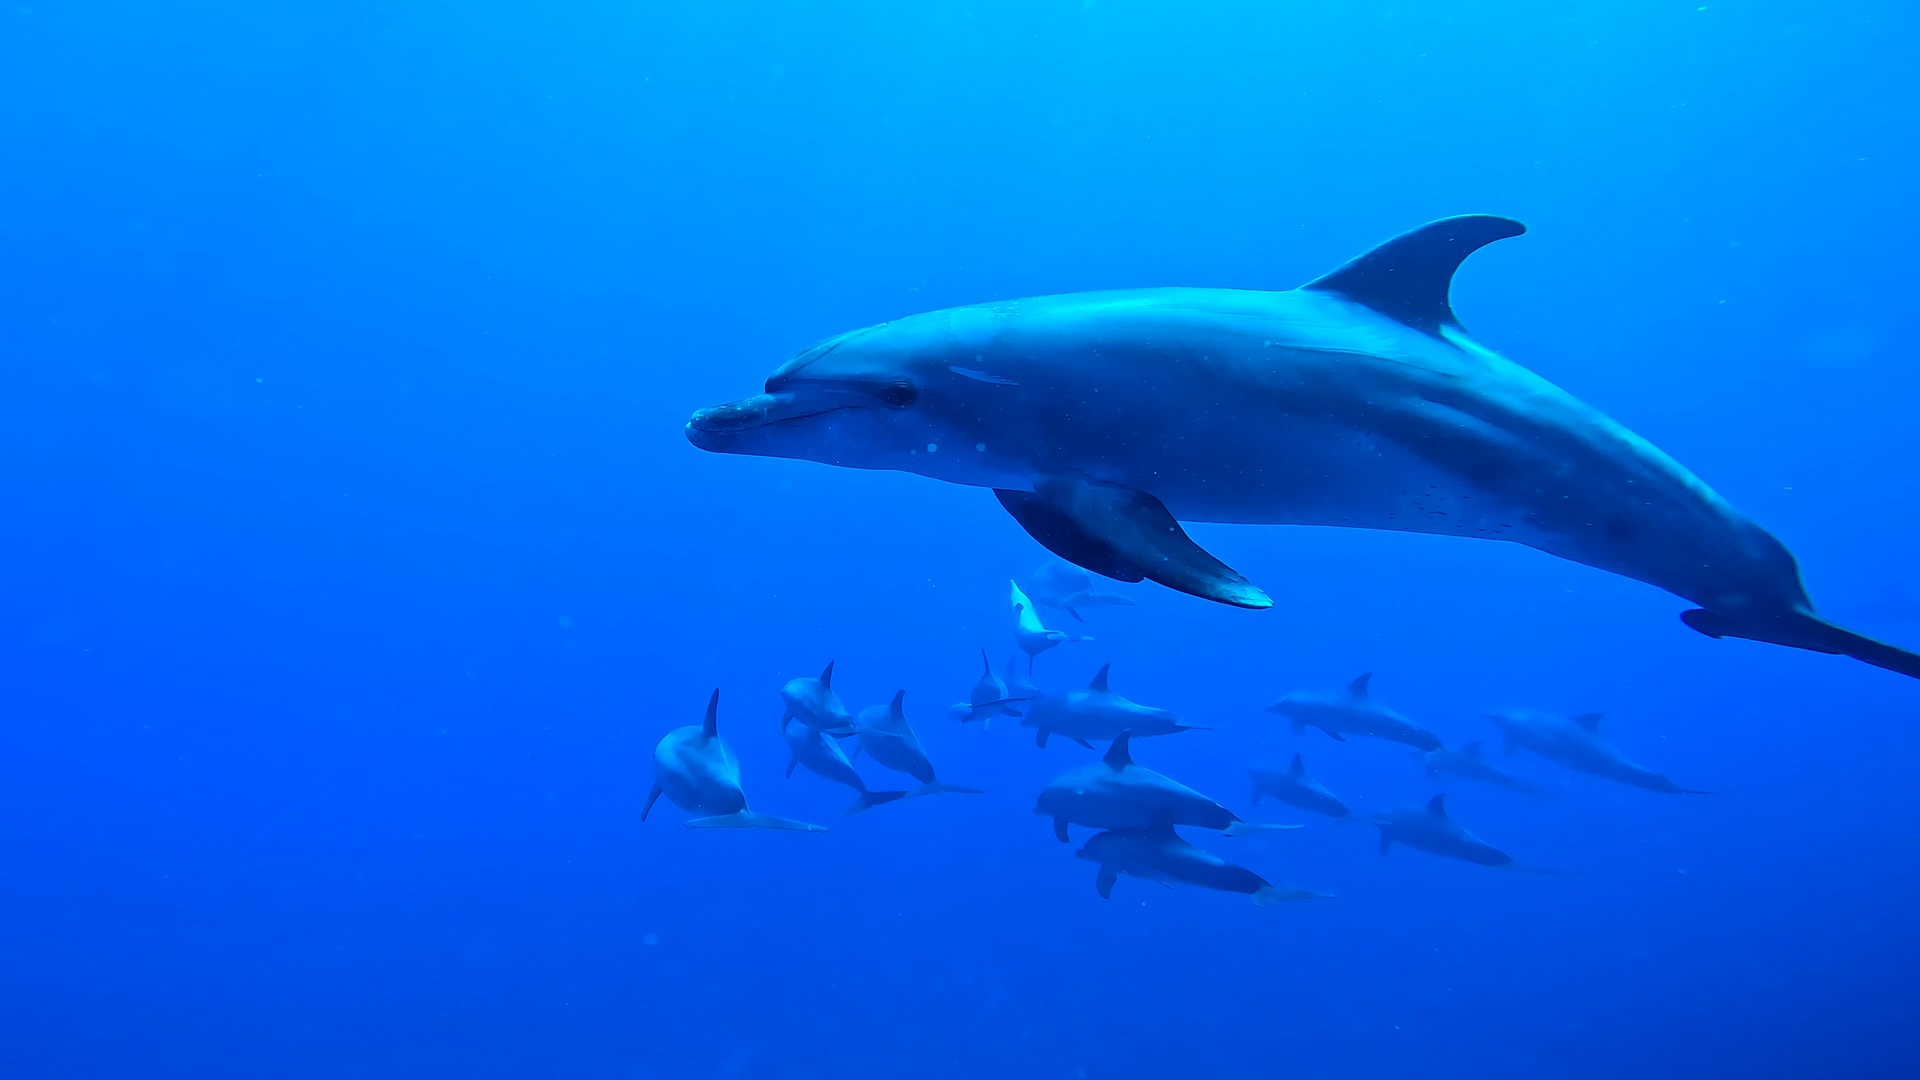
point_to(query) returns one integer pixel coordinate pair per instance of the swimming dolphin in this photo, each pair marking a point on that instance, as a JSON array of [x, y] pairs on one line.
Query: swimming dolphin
[[1294, 787], [823, 757], [1020, 683], [1352, 711], [1032, 637], [1096, 713], [1468, 763], [989, 698], [1432, 831], [1576, 744], [813, 703], [696, 770], [1159, 854], [1062, 585], [1102, 420], [888, 739], [1115, 793]]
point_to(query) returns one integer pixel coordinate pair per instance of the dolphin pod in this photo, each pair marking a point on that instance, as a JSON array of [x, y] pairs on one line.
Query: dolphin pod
[[1102, 420]]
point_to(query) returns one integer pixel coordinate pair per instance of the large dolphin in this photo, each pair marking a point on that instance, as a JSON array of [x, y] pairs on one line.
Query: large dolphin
[[1575, 743], [1295, 787], [696, 770], [1352, 711], [823, 757], [888, 739], [1066, 587], [1096, 713], [813, 702], [1101, 420], [989, 697], [1468, 763], [1115, 793], [1159, 854]]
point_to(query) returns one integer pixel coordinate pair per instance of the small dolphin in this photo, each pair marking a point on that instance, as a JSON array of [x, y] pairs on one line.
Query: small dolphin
[[1020, 683], [823, 757], [1032, 637], [990, 697], [888, 739], [1096, 713], [813, 703], [1467, 763], [1115, 793], [1294, 787], [1103, 420], [695, 769], [1432, 831], [1576, 744], [1352, 711], [1061, 585], [1159, 854]]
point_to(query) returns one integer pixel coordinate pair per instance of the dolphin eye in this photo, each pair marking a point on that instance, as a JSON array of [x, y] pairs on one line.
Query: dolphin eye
[[899, 395]]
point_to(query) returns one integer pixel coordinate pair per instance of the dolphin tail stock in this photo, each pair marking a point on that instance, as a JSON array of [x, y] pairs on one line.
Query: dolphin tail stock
[[1269, 895], [870, 799], [937, 788], [1248, 828], [1801, 629], [747, 819]]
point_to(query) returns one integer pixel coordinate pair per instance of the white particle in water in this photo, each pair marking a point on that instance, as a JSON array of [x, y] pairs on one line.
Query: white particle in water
[[980, 446], [933, 448]]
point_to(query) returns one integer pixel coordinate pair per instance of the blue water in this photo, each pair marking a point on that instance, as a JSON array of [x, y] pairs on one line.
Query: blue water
[[354, 558]]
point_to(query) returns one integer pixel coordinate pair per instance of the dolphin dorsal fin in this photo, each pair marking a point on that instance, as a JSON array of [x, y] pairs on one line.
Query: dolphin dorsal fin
[[1437, 806], [1358, 687], [1588, 720], [1099, 683], [710, 727], [1472, 749], [986, 665], [826, 677], [1408, 277], [898, 710], [1294, 767], [1117, 756]]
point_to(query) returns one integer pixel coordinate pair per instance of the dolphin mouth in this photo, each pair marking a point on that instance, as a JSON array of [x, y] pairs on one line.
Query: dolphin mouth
[[716, 427]]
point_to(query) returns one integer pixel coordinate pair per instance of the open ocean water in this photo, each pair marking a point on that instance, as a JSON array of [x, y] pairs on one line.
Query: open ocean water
[[355, 557]]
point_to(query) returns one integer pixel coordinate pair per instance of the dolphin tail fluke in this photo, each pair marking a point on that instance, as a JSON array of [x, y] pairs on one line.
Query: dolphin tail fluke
[[870, 799], [1805, 630], [1248, 828], [937, 788], [1269, 895], [747, 819], [1191, 727]]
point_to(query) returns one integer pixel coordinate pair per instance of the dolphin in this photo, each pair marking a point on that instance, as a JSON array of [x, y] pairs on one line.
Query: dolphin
[[823, 757], [1468, 763], [1096, 713], [1576, 744], [1020, 683], [1115, 793], [696, 770], [887, 738], [1432, 831], [1102, 420], [813, 703], [1159, 854], [1352, 711], [1066, 587], [1294, 787], [1032, 637], [989, 698]]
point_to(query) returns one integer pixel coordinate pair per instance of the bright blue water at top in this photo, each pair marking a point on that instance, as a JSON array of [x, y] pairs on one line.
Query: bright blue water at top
[[354, 558]]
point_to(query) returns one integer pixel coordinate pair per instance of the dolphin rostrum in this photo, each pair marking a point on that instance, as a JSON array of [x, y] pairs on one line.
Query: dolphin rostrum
[[888, 739], [695, 769], [1575, 743], [1102, 420], [1159, 854], [1432, 831], [1468, 763], [1115, 793], [1066, 587], [989, 698], [1293, 786], [813, 703], [1096, 713], [1352, 711], [1029, 633], [823, 757]]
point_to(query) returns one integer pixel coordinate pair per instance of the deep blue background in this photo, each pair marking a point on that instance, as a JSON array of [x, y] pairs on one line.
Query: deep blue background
[[353, 558]]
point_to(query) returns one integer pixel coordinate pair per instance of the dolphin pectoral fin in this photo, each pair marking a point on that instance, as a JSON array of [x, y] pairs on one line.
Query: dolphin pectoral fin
[[1084, 743], [652, 797], [1060, 829], [1805, 630], [1335, 736], [747, 819], [1040, 738], [1103, 881], [1126, 535]]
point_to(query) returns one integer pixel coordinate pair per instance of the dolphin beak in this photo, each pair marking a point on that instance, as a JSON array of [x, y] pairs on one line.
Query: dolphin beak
[[716, 428]]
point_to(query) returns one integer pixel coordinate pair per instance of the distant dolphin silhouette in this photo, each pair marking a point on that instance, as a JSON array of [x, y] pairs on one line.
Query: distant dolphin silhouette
[[1101, 420]]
